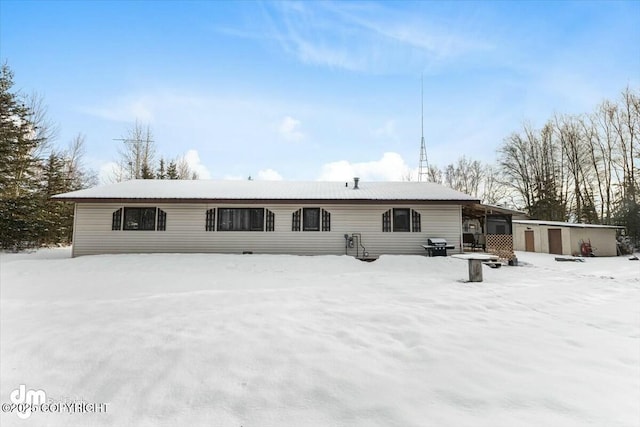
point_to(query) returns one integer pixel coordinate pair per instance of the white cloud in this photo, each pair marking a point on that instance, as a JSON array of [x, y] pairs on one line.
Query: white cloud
[[361, 36], [391, 167], [269, 175], [124, 110], [109, 172], [193, 160], [289, 128]]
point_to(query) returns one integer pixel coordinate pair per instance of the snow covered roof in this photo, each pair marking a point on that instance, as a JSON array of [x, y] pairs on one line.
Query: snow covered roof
[[562, 224], [267, 190]]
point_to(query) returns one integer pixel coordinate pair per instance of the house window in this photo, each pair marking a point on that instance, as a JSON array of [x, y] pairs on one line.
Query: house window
[[143, 219], [295, 220], [311, 219], [326, 221], [139, 219], [210, 221], [240, 219], [386, 221], [116, 220], [270, 219], [162, 220], [401, 220], [415, 221], [498, 225]]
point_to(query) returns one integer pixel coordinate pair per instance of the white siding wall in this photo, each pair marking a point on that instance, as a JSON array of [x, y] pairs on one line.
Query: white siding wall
[[603, 240], [185, 231]]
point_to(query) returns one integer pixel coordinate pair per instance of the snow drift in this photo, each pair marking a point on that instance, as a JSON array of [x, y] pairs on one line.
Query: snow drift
[[275, 340]]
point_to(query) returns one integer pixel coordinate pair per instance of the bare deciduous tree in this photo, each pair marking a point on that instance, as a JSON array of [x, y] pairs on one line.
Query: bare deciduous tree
[[137, 154], [464, 176], [184, 170]]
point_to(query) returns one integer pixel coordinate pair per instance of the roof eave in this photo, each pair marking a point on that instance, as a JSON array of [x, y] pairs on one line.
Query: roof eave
[[261, 200]]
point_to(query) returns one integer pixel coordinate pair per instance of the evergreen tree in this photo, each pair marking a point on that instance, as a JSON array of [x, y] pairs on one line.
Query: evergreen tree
[[19, 168], [172, 170], [547, 204], [162, 173], [56, 218], [628, 214], [146, 172]]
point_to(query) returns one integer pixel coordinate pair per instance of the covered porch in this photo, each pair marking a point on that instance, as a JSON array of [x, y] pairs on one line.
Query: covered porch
[[487, 228]]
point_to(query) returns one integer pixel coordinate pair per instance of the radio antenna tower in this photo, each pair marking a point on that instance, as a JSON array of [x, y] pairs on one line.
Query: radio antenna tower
[[423, 166]]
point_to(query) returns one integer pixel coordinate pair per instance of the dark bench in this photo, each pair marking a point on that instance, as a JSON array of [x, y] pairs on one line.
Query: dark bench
[[473, 241], [468, 240]]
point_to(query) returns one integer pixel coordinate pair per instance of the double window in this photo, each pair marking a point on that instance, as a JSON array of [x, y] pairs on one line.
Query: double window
[[240, 219], [139, 219], [401, 220], [311, 219]]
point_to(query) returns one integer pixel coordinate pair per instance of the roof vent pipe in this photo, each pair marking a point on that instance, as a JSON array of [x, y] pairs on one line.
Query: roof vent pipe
[[355, 183]]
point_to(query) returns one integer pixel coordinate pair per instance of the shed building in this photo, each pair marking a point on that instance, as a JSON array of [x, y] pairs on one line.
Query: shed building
[[563, 238]]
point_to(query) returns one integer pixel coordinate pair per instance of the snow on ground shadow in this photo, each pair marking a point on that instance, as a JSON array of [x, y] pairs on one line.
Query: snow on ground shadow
[[268, 340]]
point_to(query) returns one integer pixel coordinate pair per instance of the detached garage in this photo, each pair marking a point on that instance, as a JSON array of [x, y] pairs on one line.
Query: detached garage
[[564, 238]]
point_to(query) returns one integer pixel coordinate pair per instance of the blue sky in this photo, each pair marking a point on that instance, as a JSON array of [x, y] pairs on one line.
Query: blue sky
[[316, 90]]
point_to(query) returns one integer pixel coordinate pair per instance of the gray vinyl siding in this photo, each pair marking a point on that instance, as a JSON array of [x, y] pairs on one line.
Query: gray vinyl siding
[[185, 231]]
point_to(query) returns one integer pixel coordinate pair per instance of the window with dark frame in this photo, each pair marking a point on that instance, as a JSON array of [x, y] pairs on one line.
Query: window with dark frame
[[295, 220], [326, 221], [270, 220], [240, 219], [311, 219], [116, 220], [140, 219], [210, 221], [401, 220], [162, 220], [386, 221], [415, 221]]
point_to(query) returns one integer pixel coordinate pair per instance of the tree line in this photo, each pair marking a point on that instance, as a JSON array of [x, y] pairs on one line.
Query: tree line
[[32, 169], [576, 168]]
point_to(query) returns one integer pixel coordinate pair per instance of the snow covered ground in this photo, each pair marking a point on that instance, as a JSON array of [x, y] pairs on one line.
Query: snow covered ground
[[262, 340]]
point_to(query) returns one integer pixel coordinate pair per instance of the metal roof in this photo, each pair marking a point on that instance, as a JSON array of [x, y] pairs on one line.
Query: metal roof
[[563, 224], [267, 190]]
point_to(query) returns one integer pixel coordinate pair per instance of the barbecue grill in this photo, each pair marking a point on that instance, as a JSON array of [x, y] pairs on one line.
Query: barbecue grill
[[437, 246]]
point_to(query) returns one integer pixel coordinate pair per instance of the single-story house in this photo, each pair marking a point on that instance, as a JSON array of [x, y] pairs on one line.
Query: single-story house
[[363, 219], [563, 238]]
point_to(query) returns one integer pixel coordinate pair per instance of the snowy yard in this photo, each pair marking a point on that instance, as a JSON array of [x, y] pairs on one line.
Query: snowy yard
[[265, 340]]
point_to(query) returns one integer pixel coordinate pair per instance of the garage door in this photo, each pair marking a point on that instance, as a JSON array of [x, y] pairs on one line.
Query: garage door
[[529, 245], [555, 241]]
